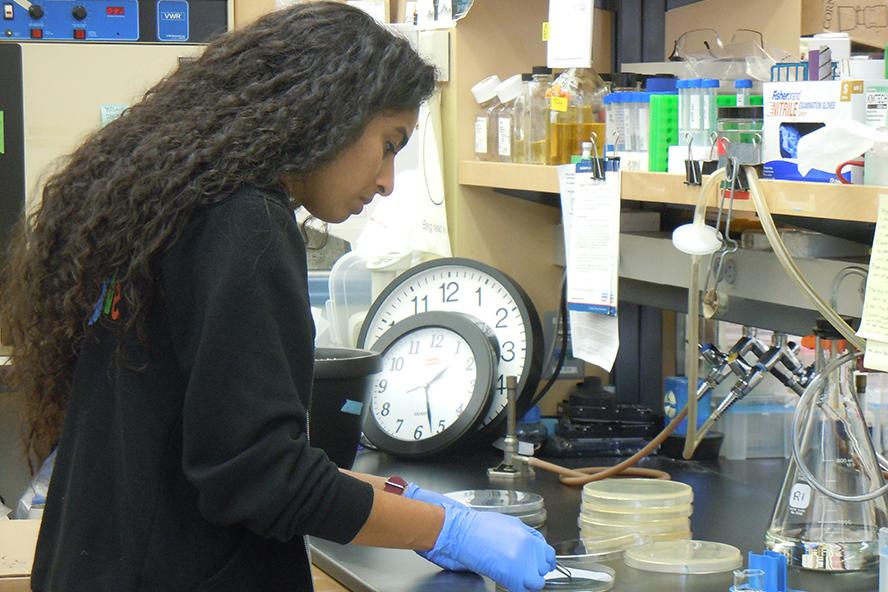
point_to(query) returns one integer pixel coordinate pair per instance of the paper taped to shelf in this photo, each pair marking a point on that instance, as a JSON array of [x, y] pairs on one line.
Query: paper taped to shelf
[[570, 34], [874, 324], [876, 356], [591, 214]]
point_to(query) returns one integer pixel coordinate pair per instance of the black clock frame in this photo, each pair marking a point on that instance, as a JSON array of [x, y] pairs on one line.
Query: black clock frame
[[484, 348], [528, 382]]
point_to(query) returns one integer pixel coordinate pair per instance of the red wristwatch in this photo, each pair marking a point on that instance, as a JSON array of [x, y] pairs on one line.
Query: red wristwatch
[[395, 485]]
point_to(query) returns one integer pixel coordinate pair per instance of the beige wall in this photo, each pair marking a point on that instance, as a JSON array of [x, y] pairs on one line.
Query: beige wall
[[778, 20], [246, 11]]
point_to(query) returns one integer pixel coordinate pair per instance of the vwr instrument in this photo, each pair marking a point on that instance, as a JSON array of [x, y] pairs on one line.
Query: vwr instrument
[[126, 21]]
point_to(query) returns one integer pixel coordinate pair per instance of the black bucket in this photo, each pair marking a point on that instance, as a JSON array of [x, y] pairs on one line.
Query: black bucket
[[342, 382]]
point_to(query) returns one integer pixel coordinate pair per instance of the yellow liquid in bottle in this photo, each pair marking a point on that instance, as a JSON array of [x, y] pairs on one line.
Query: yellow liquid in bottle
[[519, 151], [538, 151], [567, 140]]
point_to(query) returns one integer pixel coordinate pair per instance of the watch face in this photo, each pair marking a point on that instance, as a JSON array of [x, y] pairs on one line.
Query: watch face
[[475, 289], [427, 380], [436, 380]]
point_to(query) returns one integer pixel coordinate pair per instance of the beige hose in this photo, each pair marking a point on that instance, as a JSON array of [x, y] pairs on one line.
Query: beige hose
[[692, 320]]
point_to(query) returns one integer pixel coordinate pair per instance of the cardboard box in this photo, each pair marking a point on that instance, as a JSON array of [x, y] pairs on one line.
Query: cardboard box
[[795, 109], [865, 21], [18, 540]]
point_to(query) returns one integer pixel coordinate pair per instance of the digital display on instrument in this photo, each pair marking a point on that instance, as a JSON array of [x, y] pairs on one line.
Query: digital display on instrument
[[115, 10]]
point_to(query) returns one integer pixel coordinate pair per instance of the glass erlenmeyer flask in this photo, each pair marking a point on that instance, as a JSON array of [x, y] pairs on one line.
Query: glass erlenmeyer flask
[[816, 531]]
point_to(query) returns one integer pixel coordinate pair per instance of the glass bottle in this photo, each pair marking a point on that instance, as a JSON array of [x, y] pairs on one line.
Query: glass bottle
[[813, 530], [538, 137], [507, 92], [521, 122], [485, 129], [576, 113]]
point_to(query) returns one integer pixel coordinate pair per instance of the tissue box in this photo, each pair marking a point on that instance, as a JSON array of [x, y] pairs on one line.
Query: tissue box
[[794, 109], [875, 168]]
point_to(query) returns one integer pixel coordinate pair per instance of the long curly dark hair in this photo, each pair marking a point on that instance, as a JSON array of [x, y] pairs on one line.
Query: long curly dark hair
[[279, 97]]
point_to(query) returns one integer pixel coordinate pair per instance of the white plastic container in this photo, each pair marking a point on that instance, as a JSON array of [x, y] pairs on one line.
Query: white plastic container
[[351, 295], [759, 426]]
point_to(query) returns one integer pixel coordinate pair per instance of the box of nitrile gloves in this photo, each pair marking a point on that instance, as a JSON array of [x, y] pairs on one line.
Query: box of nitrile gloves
[[795, 109]]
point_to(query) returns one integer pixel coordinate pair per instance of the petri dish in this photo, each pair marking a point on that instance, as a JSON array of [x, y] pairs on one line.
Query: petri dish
[[595, 514], [534, 519], [499, 500], [593, 578], [684, 557], [594, 548], [651, 527], [586, 533], [628, 494]]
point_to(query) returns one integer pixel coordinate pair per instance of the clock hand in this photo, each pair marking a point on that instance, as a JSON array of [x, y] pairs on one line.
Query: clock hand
[[429, 407], [438, 375]]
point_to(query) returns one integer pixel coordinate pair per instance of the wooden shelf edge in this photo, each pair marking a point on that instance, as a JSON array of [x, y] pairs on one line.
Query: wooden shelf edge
[[854, 203]]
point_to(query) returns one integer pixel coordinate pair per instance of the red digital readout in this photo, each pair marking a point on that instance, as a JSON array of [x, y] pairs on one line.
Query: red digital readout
[[114, 10]]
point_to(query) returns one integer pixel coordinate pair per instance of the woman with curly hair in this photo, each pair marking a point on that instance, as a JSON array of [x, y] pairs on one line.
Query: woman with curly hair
[[157, 303]]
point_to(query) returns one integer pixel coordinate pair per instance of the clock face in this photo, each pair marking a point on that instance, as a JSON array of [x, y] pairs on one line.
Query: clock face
[[427, 379], [436, 380], [475, 289]]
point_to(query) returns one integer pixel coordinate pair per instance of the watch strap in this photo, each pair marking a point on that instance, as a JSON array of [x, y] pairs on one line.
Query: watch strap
[[396, 485]]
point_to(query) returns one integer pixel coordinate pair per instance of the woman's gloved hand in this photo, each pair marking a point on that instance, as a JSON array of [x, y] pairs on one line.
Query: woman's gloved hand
[[498, 546], [413, 491], [432, 497]]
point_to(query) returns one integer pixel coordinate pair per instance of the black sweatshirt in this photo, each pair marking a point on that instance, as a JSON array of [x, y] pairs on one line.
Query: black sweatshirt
[[184, 464]]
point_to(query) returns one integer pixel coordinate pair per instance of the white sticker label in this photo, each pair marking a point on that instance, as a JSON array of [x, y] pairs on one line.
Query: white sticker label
[[876, 106], [708, 122], [800, 496], [504, 136], [695, 117], [481, 135]]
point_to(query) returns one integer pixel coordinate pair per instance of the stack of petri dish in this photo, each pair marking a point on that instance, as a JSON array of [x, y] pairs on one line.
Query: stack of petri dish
[[528, 507], [651, 510]]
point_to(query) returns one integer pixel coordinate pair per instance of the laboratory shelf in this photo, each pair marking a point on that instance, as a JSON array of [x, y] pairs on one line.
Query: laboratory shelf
[[855, 203]]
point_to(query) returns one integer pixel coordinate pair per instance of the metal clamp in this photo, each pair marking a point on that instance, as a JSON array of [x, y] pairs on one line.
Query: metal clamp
[[511, 467]]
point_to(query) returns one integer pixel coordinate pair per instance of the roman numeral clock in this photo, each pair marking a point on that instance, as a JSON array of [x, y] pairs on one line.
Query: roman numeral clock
[[450, 331]]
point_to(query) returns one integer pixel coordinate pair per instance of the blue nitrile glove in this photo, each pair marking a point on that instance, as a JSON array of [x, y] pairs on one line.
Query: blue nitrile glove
[[498, 546], [413, 491]]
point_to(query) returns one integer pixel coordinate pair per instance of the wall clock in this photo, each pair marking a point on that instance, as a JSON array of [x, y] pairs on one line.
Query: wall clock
[[469, 287], [436, 381]]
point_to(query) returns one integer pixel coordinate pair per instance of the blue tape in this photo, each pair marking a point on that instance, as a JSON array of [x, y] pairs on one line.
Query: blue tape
[[352, 407]]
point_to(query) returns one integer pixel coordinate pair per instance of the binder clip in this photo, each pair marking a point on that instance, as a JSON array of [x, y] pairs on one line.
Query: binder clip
[[598, 164], [695, 169], [592, 164]]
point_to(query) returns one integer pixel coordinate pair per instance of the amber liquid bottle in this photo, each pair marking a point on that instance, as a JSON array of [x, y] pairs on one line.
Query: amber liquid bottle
[[576, 114]]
